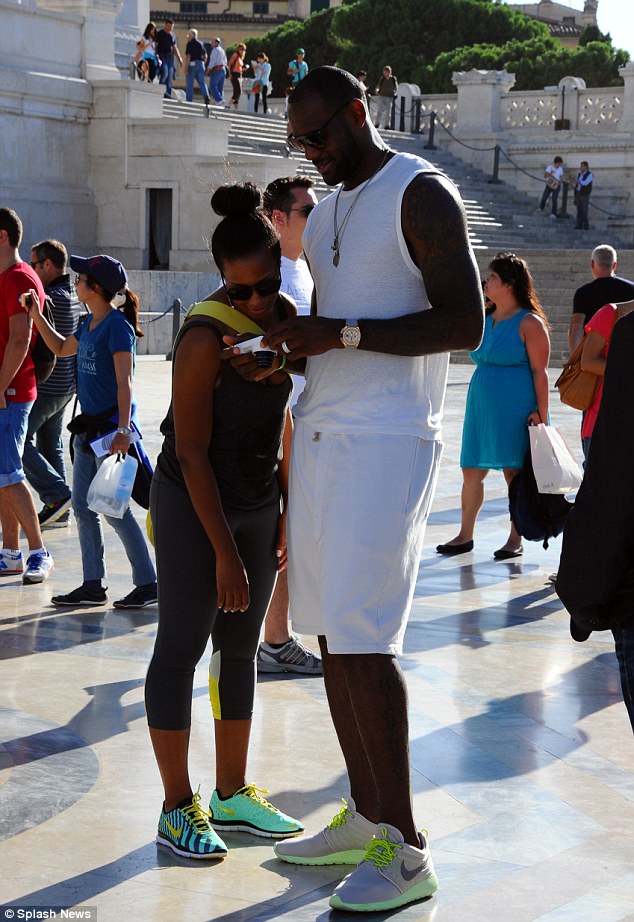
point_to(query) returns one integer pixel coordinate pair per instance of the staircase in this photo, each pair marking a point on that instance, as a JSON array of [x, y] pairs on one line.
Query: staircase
[[500, 218]]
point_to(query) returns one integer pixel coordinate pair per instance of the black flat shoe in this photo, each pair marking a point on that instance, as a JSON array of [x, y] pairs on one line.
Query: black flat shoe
[[503, 554], [450, 550]]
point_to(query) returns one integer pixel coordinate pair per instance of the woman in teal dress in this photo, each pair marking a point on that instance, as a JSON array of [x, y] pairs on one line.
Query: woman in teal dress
[[507, 393]]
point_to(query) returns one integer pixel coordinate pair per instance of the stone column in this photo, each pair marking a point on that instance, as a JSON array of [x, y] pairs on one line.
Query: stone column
[[627, 119], [479, 95]]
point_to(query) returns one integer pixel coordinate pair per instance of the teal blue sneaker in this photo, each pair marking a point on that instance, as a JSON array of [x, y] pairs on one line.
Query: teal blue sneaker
[[248, 811], [187, 831]]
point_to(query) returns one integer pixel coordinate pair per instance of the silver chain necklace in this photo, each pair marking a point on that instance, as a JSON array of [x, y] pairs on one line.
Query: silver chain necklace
[[339, 231]]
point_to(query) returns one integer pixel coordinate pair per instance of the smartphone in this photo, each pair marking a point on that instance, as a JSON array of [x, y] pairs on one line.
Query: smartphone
[[26, 300]]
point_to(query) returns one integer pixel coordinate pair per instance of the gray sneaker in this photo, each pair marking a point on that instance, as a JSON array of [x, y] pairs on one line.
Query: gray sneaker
[[390, 875], [292, 657], [343, 841]]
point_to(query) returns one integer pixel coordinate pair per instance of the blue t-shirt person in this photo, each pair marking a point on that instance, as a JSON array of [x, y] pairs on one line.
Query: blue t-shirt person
[[96, 378]]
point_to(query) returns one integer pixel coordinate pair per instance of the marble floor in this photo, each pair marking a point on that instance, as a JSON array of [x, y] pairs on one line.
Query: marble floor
[[522, 753]]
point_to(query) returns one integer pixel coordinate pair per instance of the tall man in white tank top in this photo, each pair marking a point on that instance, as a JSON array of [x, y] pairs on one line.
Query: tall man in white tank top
[[396, 288]]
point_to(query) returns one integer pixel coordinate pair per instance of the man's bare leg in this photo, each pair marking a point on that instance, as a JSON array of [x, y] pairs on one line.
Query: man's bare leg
[[296, 657], [17, 508], [368, 704], [276, 623]]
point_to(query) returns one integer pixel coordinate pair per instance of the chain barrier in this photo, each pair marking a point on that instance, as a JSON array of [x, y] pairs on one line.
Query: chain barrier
[[500, 150], [168, 310]]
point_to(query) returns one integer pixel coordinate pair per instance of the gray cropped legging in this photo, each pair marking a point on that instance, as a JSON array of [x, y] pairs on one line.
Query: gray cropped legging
[[188, 612]]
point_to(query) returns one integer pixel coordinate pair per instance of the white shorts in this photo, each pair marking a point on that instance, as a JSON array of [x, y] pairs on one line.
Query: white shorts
[[357, 512]]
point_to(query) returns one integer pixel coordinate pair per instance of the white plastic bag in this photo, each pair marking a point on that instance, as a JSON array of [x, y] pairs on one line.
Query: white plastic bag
[[555, 469], [111, 487]]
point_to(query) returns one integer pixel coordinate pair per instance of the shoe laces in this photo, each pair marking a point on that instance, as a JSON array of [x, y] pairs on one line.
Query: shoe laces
[[341, 817], [36, 559], [380, 851], [196, 814], [255, 793]]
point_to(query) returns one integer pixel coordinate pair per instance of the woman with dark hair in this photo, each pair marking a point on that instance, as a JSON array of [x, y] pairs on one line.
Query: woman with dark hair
[[146, 58], [507, 393], [260, 86], [220, 477], [105, 344]]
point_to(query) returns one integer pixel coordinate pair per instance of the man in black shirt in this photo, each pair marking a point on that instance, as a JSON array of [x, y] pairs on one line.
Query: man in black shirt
[[607, 288], [166, 48], [195, 60]]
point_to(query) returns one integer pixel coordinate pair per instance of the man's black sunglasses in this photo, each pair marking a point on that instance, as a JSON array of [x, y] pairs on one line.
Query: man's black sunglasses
[[302, 209], [245, 292], [314, 138]]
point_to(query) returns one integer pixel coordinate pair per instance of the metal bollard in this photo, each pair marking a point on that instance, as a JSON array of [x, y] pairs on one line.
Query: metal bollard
[[563, 211], [494, 181], [401, 120], [432, 127], [176, 323], [416, 128]]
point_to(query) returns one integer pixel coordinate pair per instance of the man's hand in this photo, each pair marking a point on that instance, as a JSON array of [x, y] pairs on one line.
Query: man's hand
[[281, 548], [300, 337]]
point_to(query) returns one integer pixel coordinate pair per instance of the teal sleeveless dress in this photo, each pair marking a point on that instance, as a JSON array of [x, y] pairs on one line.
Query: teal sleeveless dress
[[501, 396]]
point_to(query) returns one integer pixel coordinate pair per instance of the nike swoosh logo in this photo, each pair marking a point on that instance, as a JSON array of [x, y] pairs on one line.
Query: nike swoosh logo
[[175, 832], [408, 875], [230, 812]]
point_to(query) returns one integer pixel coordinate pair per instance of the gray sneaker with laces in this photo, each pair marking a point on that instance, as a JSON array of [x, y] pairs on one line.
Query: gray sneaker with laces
[[343, 841], [292, 657], [391, 874]]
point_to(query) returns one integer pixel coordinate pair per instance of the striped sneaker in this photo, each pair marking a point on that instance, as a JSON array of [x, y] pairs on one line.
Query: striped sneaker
[[187, 831], [248, 811], [343, 841]]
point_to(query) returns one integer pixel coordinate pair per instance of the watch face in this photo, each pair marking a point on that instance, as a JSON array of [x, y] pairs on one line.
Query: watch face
[[351, 336]]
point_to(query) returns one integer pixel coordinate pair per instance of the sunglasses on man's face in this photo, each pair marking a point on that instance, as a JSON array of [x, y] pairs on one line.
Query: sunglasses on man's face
[[315, 138], [245, 292], [302, 209]]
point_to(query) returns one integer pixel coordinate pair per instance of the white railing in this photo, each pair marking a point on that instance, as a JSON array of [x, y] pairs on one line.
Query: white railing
[[445, 107], [600, 107], [532, 109]]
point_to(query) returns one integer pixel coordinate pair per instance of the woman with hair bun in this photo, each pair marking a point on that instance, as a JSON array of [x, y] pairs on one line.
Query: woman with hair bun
[[221, 476], [105, 344], [507, 393]]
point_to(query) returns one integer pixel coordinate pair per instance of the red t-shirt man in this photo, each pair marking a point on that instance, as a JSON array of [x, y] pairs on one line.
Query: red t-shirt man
[[15, 281]]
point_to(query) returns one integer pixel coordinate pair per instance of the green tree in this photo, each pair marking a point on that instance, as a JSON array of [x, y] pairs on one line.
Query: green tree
[[425, 41], [536, 63]]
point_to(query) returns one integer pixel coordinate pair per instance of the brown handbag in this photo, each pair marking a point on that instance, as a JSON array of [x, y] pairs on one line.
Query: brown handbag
[[577, 388]]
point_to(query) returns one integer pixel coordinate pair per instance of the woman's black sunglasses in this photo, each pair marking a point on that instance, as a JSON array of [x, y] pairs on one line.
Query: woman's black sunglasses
[[245, 292], [314, 138]]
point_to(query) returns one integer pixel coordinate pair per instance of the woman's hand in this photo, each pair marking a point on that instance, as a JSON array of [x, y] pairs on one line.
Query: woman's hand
[[33, 310], [245, 363], [281, 548], [534, 419], [232, 582], [120, 443]]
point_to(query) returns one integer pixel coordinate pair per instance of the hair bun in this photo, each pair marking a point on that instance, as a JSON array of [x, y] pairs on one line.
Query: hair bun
[[232, 201]]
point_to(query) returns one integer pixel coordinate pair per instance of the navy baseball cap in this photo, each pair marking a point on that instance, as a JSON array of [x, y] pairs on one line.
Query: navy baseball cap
[[108, 271]]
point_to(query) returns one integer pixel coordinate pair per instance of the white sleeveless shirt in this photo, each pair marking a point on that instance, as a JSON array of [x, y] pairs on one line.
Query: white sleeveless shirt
[[351, 390]]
